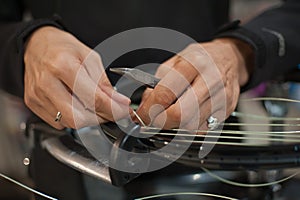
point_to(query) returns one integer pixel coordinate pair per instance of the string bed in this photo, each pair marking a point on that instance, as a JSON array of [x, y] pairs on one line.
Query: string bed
[[237, 137], [285, 136]]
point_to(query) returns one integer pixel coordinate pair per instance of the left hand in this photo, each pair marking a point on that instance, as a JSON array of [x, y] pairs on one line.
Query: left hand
[[63, 74], [203, 80]]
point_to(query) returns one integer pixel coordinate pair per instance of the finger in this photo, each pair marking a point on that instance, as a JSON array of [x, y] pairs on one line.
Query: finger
[[39, 103], [42, 107], [186, 106], [91, 96], [107, 103], [186, 116], [223, 104], [78, 116], [160, 73], [56, 98], [116, 96], [146, 94], [194, 104], [202, 125], [94, 67], [46, 116], [77, 78], [164, 68], [83, 117], [168, 89], [192, 125], [74, 114]]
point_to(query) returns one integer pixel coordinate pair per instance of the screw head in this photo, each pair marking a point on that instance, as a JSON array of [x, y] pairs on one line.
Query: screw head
[[26, 161]]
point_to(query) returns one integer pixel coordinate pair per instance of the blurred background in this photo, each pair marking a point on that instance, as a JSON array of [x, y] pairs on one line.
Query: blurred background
[[13, 145]]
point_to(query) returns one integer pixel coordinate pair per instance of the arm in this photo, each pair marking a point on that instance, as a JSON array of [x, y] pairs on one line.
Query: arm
[[60, 74], [13, 35], [201, 81], [275, 38], [190, 90], [64, 75]]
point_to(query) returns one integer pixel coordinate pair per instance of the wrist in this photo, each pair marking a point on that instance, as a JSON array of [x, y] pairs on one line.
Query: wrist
[[244, 58], [34, 25], [39, 31]]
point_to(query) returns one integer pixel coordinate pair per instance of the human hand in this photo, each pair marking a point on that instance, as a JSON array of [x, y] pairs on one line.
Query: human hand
[[201, 81], [63, 75]]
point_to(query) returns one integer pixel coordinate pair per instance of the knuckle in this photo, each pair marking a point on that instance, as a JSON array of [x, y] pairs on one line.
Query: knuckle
[[196, 55], [164, 97], [96, 56], [182, 62], [146, 94], [98, 102], [56, 70], [190, 62], [60, 58], [193, 46], [176, 116], [199, 60], [59, 64]]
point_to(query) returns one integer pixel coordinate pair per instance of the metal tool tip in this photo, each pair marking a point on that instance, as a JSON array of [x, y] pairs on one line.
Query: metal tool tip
[[119, 70]]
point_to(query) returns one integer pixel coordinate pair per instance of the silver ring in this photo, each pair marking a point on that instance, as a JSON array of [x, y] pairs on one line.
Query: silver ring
[[212, 123], [58, 117]]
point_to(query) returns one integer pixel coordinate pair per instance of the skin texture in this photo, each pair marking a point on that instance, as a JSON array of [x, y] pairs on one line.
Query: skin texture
[[203, 80], [62, 74]]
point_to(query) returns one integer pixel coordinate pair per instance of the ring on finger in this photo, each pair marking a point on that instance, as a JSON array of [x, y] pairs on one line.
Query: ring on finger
[[58, 117], [212, 123]]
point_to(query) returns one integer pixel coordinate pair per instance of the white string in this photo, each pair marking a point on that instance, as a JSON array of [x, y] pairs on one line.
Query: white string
[[257, 133], [186, 193], [237, 114], [219, 143], [249, 124], [266, 133], [139, 118], [253, 116], [270, 133], [246, 184], [270, 99], [283, 139], [26, 187]]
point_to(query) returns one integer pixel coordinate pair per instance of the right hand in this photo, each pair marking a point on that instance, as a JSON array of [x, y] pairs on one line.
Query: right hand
[[201, 81], [55, 62]]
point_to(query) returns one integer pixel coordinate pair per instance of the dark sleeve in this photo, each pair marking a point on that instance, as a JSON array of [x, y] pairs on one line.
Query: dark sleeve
[[275, 38], [13, 34]]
